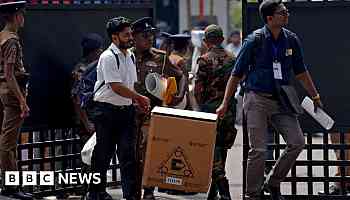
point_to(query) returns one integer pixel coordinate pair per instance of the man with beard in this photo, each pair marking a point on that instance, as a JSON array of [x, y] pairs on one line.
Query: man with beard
[[149, 60], [13, 78], [114, 114]]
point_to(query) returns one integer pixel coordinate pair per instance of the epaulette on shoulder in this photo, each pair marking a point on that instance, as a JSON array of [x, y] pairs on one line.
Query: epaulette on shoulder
[[158, 51], [5, 35]]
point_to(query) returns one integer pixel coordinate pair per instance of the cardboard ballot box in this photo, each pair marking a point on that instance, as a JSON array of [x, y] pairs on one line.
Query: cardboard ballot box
[[180, 149]]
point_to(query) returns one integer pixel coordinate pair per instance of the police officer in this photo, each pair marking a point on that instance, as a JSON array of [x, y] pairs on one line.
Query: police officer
[[266, 61], [180, 56], [114, 111], [149, 60], [13, 79], [213, 73], [181, 49]]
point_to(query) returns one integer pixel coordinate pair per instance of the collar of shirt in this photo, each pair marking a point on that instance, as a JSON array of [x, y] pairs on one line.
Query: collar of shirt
[[118, 51], [268, 34]]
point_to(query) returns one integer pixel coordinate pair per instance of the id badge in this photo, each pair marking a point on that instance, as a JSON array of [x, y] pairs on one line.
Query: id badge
[[277, 71]]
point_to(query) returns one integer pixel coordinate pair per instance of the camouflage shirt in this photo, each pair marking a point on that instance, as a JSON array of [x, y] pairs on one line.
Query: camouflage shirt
[[11, 53], [150, 61], [213, 72]]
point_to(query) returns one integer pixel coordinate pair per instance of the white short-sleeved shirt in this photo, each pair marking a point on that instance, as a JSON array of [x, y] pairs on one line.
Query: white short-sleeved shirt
[[108, 71]]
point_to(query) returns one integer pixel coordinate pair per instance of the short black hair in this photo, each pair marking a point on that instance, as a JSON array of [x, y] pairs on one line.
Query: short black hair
[[268, 8], [235, 32], [116, 25]]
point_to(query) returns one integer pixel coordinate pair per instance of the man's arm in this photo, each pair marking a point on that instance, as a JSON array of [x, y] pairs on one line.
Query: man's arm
[[231, 88], [123, 91], [238, 73], [307, 82], [303, 75], [12, 83], [309, 85]]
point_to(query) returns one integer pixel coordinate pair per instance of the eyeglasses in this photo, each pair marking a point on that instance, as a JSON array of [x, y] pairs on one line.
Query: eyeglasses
[[283, 12]]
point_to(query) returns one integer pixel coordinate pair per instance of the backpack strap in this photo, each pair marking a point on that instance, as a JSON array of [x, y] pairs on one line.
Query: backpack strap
[[99, 87], [116, 58], [258, 42], [133, 58]]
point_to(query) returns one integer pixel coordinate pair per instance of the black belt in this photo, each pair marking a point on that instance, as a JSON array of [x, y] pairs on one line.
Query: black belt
[[267, 95], [112, 106]]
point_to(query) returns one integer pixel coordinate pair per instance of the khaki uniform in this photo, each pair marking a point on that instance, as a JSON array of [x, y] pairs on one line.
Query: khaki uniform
[[152, 60], [10, 110], [182, 62], [213, 73]]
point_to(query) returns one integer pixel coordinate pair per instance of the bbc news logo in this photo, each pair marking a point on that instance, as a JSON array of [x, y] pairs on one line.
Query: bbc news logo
[[13, 178]]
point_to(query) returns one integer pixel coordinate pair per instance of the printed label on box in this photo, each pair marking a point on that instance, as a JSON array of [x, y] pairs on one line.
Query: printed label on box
[[173, 181]]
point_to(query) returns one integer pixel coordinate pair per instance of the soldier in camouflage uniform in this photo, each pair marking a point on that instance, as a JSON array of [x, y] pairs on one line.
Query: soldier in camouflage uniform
[[13, 80], [214, 70], [150, 60]]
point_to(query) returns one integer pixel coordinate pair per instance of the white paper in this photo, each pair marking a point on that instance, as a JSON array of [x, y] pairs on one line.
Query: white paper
[[320, 116]]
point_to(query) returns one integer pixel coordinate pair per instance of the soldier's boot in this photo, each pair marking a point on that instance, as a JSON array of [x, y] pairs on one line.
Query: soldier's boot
[[213, 192], [224, 189], [148, 194]]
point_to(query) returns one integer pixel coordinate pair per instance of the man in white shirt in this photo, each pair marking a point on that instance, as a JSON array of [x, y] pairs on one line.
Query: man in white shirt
[[114, 112]]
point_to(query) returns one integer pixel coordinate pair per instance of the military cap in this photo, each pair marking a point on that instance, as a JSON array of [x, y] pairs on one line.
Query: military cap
[[213, 31], [91, 42], [143, 25], [181, 38], [180, 41], [165, 35], [12, 7]]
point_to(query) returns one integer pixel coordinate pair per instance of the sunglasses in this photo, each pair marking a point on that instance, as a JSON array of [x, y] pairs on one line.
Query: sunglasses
[[283, 12]]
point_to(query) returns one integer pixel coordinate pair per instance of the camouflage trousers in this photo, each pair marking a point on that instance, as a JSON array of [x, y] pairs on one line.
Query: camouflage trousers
[[225, 137]]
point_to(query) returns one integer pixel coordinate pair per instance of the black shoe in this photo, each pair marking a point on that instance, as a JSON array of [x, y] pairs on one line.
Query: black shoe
[[162, 190], [252, 197], [148, 194], [92, 196], [105, 196], [17, 195], [333, 190], [224, 189], [275, 192]]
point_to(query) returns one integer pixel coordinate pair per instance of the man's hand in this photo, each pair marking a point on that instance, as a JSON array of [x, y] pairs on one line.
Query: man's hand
[[24, 110], [143, 102], [221, 110], [176, 100]]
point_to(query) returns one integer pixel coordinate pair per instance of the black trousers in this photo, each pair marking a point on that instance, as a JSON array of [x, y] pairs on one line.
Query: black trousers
[[114, 126]]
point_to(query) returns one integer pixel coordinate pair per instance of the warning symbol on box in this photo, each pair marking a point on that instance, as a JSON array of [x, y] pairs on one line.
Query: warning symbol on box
[[176, 165]]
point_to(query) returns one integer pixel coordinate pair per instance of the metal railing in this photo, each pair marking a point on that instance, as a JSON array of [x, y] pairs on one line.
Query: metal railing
[[58, 150], [310, 163]]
